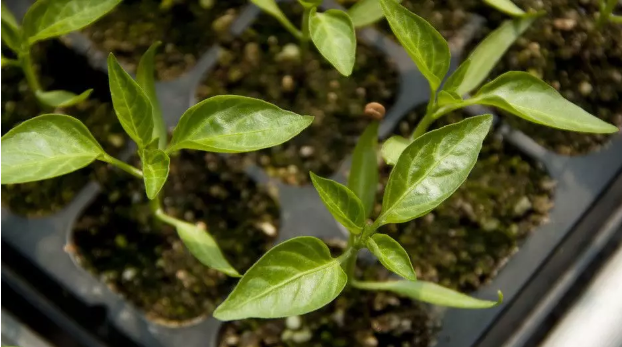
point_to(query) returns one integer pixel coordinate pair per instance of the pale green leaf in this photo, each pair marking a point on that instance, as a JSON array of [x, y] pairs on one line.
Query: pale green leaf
[[295, 277], [392, 255], [145, 76], [47, 146], [366, 12], [363, 179], [52, 18], [530, 98], [155, 170], [7, 16], [342, 203], [203, 246], [506, 6], [431, 168], [332, 32], [235, 124], [426, 47], [131, 104], [393, 148], [446, 98], [61, 98], [473, 71], [431, 293], [11, 31]]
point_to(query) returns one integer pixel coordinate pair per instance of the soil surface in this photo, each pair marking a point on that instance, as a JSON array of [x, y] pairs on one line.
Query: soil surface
[[62, 70], [355, 318], [468, 238], [117, 239], [584, 63], [265, 62], [187, 28]]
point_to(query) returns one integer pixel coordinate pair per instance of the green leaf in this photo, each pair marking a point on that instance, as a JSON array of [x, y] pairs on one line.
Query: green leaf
[[392, 255], [446, 98], [235, 124], [310, 3], [431, 293], [203, 246], [131, 104], [332, 32], [61, 98], [295, 277], [532, 99], [7, 16], [342, 203], [155, 170], [51, 18], [363, 179], [506, 6], [431, 168], [393, 148], [47, 146], [473, 71], [366, 12], [145, 77], [11, 32], [426, 47], [9, 62]]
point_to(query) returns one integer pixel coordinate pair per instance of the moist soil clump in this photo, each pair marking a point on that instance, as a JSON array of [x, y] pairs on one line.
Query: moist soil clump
[[119, 241], [186, 28], [266, 62]]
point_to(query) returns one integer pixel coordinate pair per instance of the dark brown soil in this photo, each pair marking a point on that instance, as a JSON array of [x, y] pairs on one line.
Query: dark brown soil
[[117, 239], [265, 63], [19, 104], [467, 239], [187, 30], [584, 63], [355, 318]]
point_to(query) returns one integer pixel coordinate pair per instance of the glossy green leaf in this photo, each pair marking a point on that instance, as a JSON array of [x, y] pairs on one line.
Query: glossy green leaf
[[295, 277], [431, 168], [11, 31], [155, 170], [530, 98], [342, 203], [393, 148], [392, 255], [131, 104], [427, 48], [473, 71], [332, 32], [47, 146], [506, 6], [52, 18], [61, 98], [431, 293], [363, 179], [366, 12], [203, 246], [145, 77], [235, 124]]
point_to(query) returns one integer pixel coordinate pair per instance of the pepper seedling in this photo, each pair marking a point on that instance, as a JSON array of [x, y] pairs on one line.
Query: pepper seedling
[[44, 20], [51, 145], [331, 31]]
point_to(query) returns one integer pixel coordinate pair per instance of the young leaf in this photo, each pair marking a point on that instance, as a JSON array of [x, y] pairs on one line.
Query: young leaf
[[146, 80], [310, 3], [203, 246], [295, 277], [271, 7], [427, 48], [366, 12], [431, 293], [446, 98], [393, 148], [506, 6], [131, 104], [532, 99], [363, 179], [11, 32], [155, 170], [342, 203], [392, 255], [332, 32], [431, 168], [235, 124], [61, 98], [473, 71], [7, 16], [46, 146], [51, 18]]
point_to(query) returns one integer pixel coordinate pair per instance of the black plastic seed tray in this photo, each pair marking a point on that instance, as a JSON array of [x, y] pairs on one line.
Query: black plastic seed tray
[[580, 181]]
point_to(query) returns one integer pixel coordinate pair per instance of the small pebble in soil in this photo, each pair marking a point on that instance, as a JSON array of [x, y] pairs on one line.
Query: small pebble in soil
[[293, 322]]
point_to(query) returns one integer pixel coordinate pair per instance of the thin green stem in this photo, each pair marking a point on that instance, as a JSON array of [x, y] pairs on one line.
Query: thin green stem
[[423, 126], [437, 113], [290, 27], [304, 41], [161, 215], [123, 166], [29, 70]]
